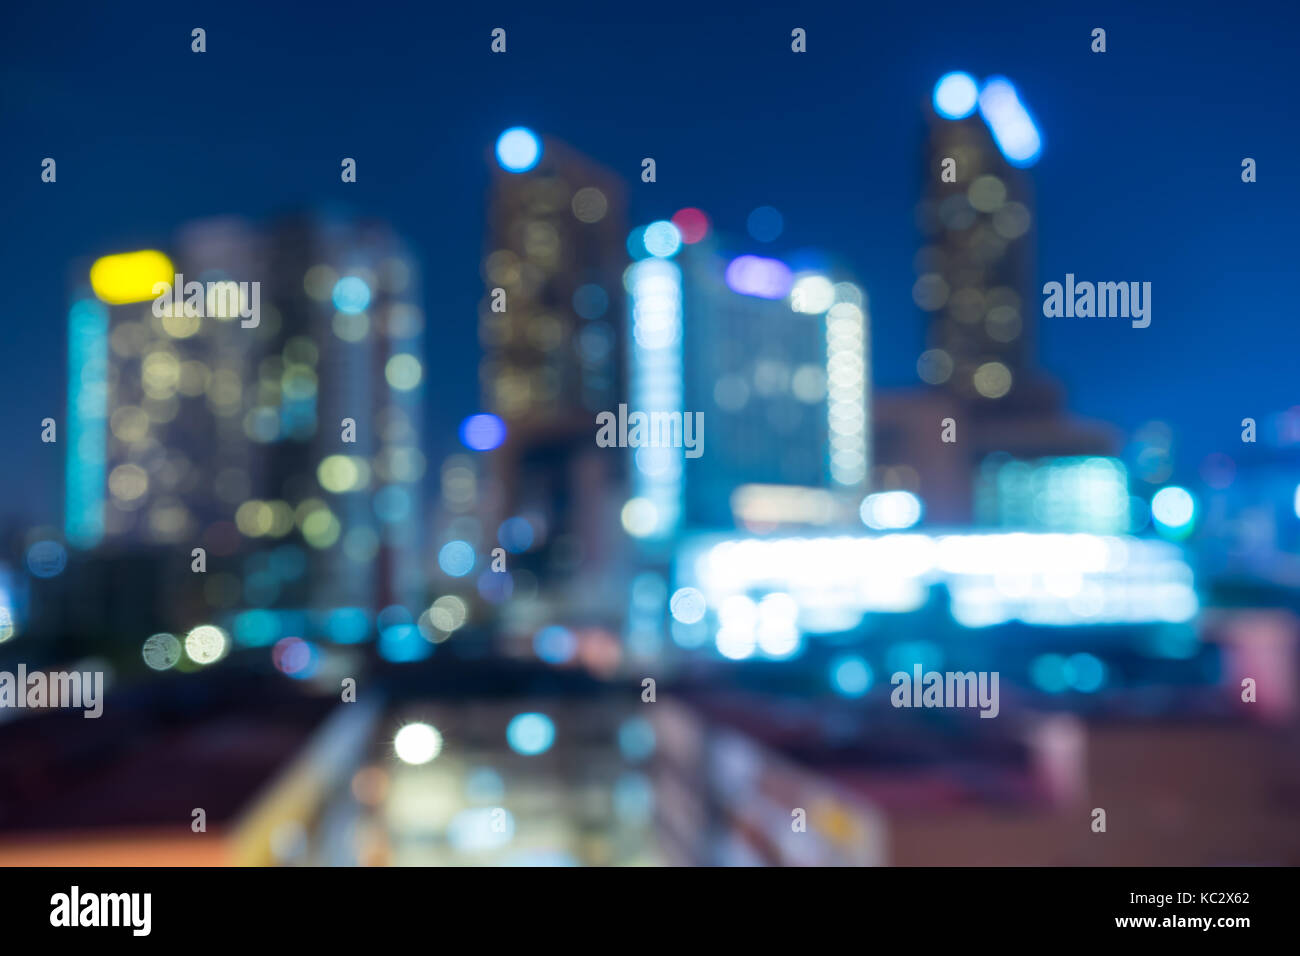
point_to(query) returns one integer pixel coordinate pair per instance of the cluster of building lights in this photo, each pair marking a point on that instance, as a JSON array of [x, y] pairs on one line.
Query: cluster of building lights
[[832, 582]]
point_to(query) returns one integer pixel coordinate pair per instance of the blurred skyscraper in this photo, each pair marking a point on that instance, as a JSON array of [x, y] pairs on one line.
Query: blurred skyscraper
[[975, 271], [977, 285], [191, 431], [552, 347], [777, 364]]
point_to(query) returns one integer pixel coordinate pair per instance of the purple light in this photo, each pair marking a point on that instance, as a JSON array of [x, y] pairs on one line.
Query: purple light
[[765, 278], [482, 432]]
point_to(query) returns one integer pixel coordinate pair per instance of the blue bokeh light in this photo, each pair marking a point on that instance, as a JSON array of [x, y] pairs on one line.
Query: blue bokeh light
[[518, 149], [555, 644], [1048, 672], [392, 504], [636, 739], [456, 558], [403, 643], [530, 734], [351, 295], [347, 625], [1173, 507], [482, 432], [516, 534], [851, 675], [1012, 127], [1085, 672], [636, 243], [47, 559], [256, 628], [662, 239], [955, 95]]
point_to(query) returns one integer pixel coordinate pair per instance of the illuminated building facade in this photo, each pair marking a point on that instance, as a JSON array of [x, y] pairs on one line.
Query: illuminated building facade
[[778, 364], [1086, 494], [201, 431]]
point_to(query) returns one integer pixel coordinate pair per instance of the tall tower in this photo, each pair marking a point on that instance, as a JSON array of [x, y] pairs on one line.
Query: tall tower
[[976, 285], [551, 331], [976, 266]]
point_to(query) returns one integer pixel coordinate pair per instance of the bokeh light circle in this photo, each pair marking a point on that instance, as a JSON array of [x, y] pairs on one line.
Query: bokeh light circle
[[518, 149]]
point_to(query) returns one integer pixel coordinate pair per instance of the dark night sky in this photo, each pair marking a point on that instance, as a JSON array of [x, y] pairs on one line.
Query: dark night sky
[[1140, 178]]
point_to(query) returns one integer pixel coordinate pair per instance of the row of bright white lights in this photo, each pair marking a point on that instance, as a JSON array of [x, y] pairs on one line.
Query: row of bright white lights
[[846, 385], [529, 734], [656, 320], [890, 510], [846, 371], [1037, 578], [957, 96]]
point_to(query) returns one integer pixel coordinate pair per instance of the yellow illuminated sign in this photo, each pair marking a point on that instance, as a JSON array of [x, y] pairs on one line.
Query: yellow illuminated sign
[[130, 276]]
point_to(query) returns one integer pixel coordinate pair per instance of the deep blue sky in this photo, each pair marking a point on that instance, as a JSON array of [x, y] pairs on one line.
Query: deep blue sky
[[1140, 179]]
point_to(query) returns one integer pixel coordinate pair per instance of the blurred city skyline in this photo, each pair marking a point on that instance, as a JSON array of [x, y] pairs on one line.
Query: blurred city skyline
[[497, 617], [833, 140]]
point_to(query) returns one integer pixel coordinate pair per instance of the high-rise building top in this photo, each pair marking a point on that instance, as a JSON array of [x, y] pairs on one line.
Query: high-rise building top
[[555, 247]]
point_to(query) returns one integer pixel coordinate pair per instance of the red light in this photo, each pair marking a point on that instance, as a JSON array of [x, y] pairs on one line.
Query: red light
[[692, 224]]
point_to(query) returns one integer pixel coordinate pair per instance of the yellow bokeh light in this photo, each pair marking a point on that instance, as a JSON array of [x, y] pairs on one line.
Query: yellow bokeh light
[[340, 473], [992, 380], [179, 325], [169, 521], [281, 518], [130, 276], [320, 528], [306, 508], [128, 482], [640, 517], [129, 424], [254, 518], [161, 372], [403, 372], [448, 613]]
